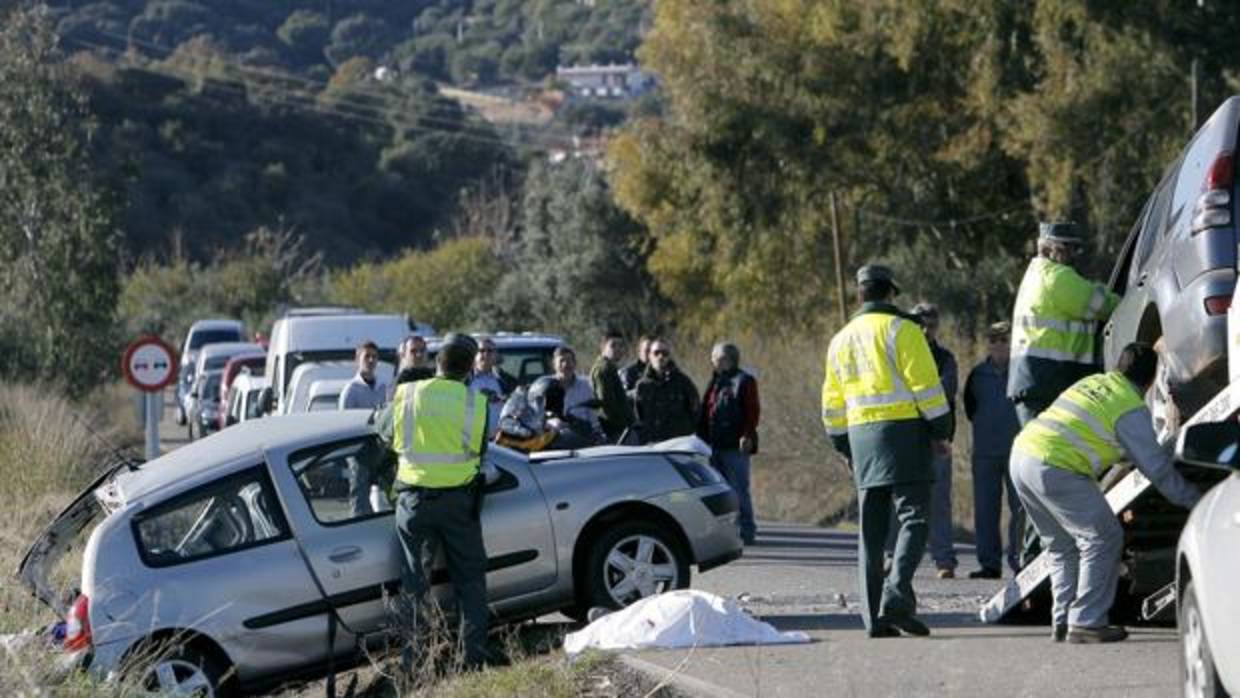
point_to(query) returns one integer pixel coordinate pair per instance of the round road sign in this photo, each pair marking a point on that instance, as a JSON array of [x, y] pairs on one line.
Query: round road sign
[[150, 364]]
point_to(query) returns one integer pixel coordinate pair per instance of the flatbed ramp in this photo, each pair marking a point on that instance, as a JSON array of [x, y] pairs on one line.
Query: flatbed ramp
[[1036, 575]]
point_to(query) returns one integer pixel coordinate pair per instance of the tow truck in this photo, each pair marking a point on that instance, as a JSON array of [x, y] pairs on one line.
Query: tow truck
[[1151, 524]]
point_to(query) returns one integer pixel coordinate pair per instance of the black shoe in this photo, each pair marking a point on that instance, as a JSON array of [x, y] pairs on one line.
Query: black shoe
[[985, 573], [1059, 633], [883, 630], [908, 625], [1080, 635]]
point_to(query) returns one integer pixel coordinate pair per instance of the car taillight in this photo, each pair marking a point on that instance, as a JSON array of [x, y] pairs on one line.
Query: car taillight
[[1217, 305], [1213, 208], [77, 625]]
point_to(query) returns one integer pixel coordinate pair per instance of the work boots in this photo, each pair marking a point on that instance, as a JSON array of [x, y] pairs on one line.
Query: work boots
[[1080, 635]]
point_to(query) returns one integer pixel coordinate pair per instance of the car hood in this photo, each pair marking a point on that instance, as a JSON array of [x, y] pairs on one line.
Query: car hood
[[59, 537]]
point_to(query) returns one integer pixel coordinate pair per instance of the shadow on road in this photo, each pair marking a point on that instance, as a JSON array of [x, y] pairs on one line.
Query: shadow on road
[[852, 621]]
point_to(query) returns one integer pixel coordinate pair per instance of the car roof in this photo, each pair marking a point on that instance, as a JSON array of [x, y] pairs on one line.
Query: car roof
[[508, 340], [216, 324], [193, 463], [250, 381], [219, 348]]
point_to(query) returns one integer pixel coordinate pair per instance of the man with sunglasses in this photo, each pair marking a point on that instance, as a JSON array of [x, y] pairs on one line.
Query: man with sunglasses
[[667, 400]]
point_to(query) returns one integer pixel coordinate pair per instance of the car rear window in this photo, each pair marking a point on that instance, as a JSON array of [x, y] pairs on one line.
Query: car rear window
[[235, 513], [323, 403], [202, 338]]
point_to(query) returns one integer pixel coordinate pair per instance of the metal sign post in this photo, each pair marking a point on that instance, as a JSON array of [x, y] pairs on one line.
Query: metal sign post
[[150, 365]]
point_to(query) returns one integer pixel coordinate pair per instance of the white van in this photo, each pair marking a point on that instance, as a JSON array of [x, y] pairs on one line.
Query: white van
[[311, 381], [296, 340], [243, 398]]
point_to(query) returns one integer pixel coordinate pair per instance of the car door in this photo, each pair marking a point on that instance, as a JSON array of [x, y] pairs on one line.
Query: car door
[[352, 550], [356, 554]]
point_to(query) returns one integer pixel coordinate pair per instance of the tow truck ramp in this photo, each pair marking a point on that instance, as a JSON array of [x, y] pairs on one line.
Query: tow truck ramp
[[1120, 496]]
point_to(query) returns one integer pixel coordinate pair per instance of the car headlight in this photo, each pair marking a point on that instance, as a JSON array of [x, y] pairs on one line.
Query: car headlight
[[696, 470]]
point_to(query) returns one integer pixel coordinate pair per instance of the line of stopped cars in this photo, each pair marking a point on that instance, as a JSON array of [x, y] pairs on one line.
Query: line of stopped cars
[[219, 567]]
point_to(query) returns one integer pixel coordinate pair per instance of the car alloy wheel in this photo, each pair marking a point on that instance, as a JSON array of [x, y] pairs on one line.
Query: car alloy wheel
[[634, 561], [1200, 678], [1165, 414], [185, 672]]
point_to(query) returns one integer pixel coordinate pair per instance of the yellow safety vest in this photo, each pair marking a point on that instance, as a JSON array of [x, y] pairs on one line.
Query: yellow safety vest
[[438, 431], [1056, 313], [1077, 432], [880, 369]]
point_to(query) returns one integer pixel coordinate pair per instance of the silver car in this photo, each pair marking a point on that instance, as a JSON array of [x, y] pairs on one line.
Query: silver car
[[236, 549], [1207, 566], [1177, 271]]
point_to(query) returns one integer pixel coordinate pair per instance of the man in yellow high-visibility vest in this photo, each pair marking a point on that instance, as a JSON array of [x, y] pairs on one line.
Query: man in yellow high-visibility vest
[[437, 428], [1054, 322], [884, 408], [1056, 461]]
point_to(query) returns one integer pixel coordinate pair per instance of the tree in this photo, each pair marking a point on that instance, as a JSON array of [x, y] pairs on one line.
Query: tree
[[577, 264], [305, 33], [58, 233]]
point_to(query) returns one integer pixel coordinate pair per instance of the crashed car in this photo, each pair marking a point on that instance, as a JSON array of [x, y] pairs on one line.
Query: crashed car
[[226, 561]]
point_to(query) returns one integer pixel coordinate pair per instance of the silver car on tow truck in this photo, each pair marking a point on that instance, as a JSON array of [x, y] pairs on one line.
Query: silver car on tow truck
[[235, 551]]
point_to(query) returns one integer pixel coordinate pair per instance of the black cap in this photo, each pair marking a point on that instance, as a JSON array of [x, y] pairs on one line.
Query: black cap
[[872, 273]]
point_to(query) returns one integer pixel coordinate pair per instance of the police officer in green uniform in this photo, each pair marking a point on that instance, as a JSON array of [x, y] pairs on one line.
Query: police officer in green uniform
[[1056, 461], [1053, 327], [437, 428], [884, 408]]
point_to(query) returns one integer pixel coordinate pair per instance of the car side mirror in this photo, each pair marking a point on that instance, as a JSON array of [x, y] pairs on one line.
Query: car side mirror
[[1211, 444], [194, 393], [266, 401]]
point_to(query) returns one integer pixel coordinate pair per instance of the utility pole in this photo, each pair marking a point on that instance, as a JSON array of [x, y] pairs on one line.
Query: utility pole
[[839, 262]]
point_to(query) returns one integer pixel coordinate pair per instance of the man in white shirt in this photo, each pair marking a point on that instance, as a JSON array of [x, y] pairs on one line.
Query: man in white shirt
[[364, 391]]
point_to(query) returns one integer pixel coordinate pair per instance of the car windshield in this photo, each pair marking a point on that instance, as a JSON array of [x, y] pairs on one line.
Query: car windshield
[[202, 338], [215, 363], [526, 364]]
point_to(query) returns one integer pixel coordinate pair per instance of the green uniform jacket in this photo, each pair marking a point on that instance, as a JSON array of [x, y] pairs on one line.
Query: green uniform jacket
[[615, 413], [894, 452]]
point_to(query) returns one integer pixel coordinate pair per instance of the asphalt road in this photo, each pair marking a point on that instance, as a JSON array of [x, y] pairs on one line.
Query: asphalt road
[[794, 578]]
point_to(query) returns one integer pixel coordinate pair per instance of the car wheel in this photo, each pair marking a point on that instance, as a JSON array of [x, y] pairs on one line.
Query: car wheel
[[187, 672], [633, 561], [1162, 408], [181, 420], [1197, 672], [189, 427]]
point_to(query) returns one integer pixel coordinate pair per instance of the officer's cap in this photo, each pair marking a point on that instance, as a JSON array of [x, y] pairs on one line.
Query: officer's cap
[[872, 273], [463, 341], [1060, 232]]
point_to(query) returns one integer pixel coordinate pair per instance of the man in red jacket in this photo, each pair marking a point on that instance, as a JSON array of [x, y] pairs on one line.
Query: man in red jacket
[[729, 423]]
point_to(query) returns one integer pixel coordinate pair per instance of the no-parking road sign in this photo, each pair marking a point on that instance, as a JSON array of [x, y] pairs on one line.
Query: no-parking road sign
[[150, 364]]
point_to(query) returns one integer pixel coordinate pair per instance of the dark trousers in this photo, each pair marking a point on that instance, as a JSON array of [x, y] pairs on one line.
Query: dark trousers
[[892, 595], [428, 520]]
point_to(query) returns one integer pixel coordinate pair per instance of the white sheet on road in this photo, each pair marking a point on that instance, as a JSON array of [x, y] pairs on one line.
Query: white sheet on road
[[678, 619]]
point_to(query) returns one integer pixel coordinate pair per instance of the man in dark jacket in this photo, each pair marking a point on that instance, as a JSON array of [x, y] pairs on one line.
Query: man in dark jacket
[[667, 400], [729, 423], [941, 549], [615, 412], [993, 414]]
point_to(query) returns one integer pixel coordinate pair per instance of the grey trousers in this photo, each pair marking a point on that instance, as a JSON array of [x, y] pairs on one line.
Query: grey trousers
[[427, 521], [990, 482], [1082, 536], [891, 595], [941, 549]]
